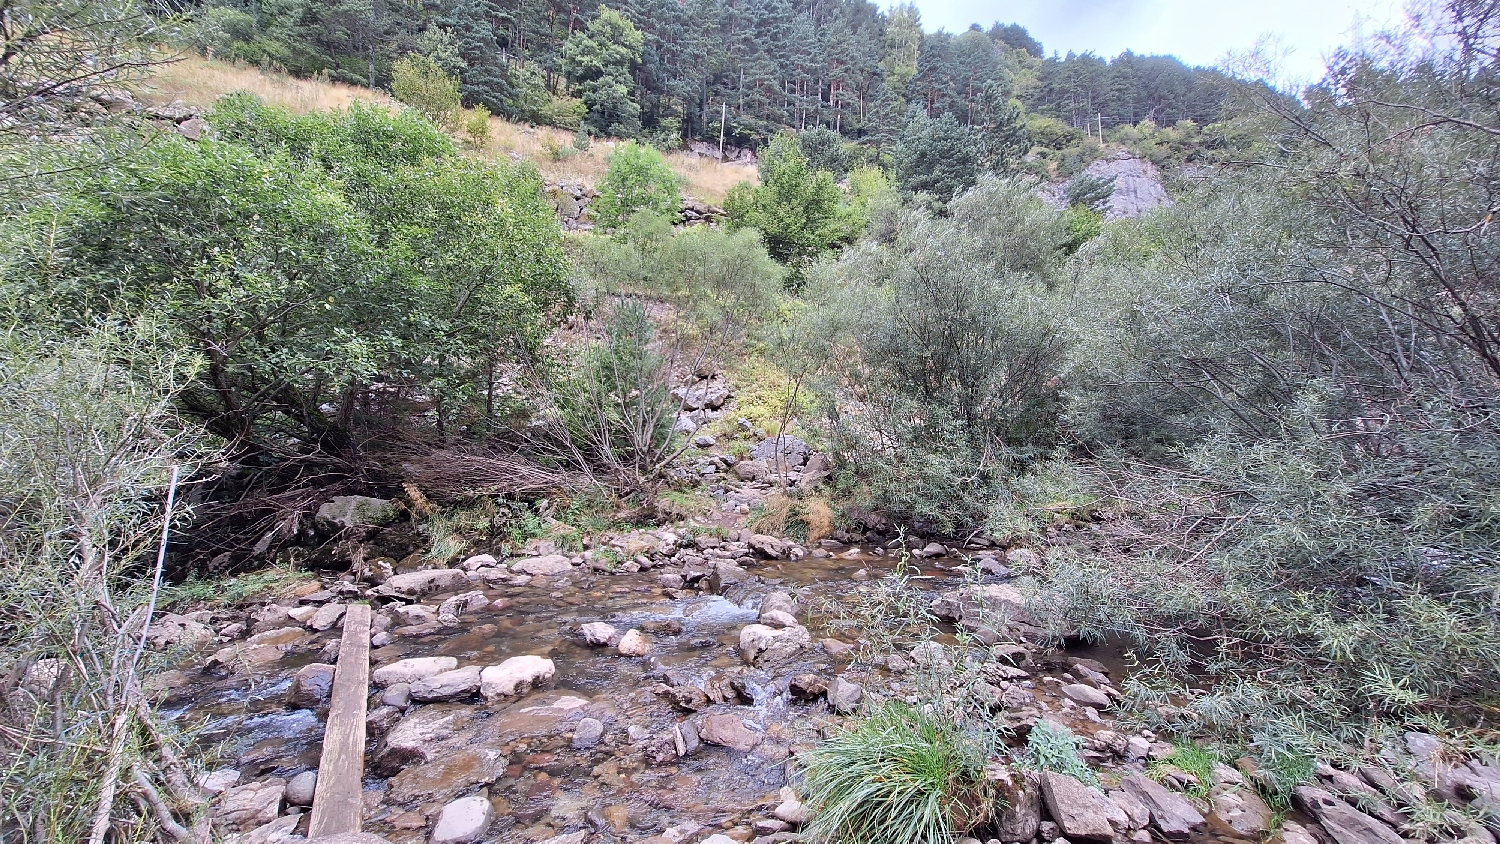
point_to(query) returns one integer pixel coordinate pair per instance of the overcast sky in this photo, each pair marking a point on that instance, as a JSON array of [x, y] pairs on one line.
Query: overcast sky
[[1199, 32]]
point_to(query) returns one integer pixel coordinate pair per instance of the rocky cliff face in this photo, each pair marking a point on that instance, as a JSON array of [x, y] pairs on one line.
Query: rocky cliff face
[[1138, 187]]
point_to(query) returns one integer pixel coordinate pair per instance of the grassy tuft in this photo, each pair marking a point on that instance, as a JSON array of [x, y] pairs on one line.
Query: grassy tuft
[[898, 776], [228, 591], [1192, 758]]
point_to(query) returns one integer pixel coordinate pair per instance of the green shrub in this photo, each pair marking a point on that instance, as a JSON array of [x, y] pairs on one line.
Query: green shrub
[[897, 776], [418, 81], [797, 210], [1053, 747], [638, 180]]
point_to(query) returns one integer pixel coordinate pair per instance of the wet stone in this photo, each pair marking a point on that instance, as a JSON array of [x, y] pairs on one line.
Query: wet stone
[[588, 733]]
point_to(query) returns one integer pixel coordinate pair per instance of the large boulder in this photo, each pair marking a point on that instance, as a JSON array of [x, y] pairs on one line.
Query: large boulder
[[1083, 813], [1346, 824], [414, 584], [515, 676], [781, 453], [600, 634], [759, 643], [175, 631], [1171, 813], [351, 511], [412, 669]]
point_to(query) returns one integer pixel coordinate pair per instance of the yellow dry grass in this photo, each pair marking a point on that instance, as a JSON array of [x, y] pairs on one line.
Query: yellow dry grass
[[197, 81]]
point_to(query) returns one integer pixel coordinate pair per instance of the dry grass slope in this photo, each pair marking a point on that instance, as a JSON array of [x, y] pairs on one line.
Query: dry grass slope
[[199, 82]]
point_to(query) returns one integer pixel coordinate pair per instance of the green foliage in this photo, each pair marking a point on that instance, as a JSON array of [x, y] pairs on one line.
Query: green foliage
[[796, 209], [824, 150], [897, 776], [1084, 224], [598, 61], [87, 445], [1001, 131], [418, 81], [1192, 758], [953, 337], [723, 280], [1051, 746], [474, 124], [638, 180], [1091, 193], [197, 592], [308, 259], [936, 157]]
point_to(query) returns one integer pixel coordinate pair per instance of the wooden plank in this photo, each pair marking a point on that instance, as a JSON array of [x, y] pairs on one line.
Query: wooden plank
[[336, 802]]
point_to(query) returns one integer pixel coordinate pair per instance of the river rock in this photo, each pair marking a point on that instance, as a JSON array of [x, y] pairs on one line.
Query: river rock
[[1086, 695], [479, 561], [451, 609], [778, 601], [176, 631], [777, 618], [545, 566], [310, 686], [588, 733], [515, 676], [844, 695], [464, 821], [1244, 811], [1171, 813], [1020, 811], [415, 584], [397, 695], [728, 730], [217, 782], [634, 643], [248, 806], [327, 616], [769, 546], [449, 685], [791, 809], [348, 511], [782, 452], [412, 669], [599, 634], [418, 736], [759, 643], [1346, 824], [301, 788], [1079, 810], [807, 687]]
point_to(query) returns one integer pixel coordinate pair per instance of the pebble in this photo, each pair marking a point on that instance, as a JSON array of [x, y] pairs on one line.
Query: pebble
[[588, 733]]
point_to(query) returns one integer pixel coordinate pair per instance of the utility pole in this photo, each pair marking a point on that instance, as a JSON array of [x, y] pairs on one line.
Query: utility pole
[[1099, 116], [723, 118]]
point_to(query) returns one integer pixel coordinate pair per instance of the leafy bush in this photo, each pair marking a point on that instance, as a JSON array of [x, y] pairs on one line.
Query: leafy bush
[[638, 180], [1053, 747], [798, 210], [88, 443], [898, 776], [950, 339], [418, 81], [824, 150], [308, 259]]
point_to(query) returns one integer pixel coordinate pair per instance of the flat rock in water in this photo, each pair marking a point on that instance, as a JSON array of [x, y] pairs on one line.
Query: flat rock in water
[[515, 676], [463, 821], [727, 730], [415, 584], [1086, 695], [600, 634], [550, 564], [1171, 813], [761, 643], [1077, 809], [419, 735], [449, 685], [249, 806], [412, 669], [310, 686]]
